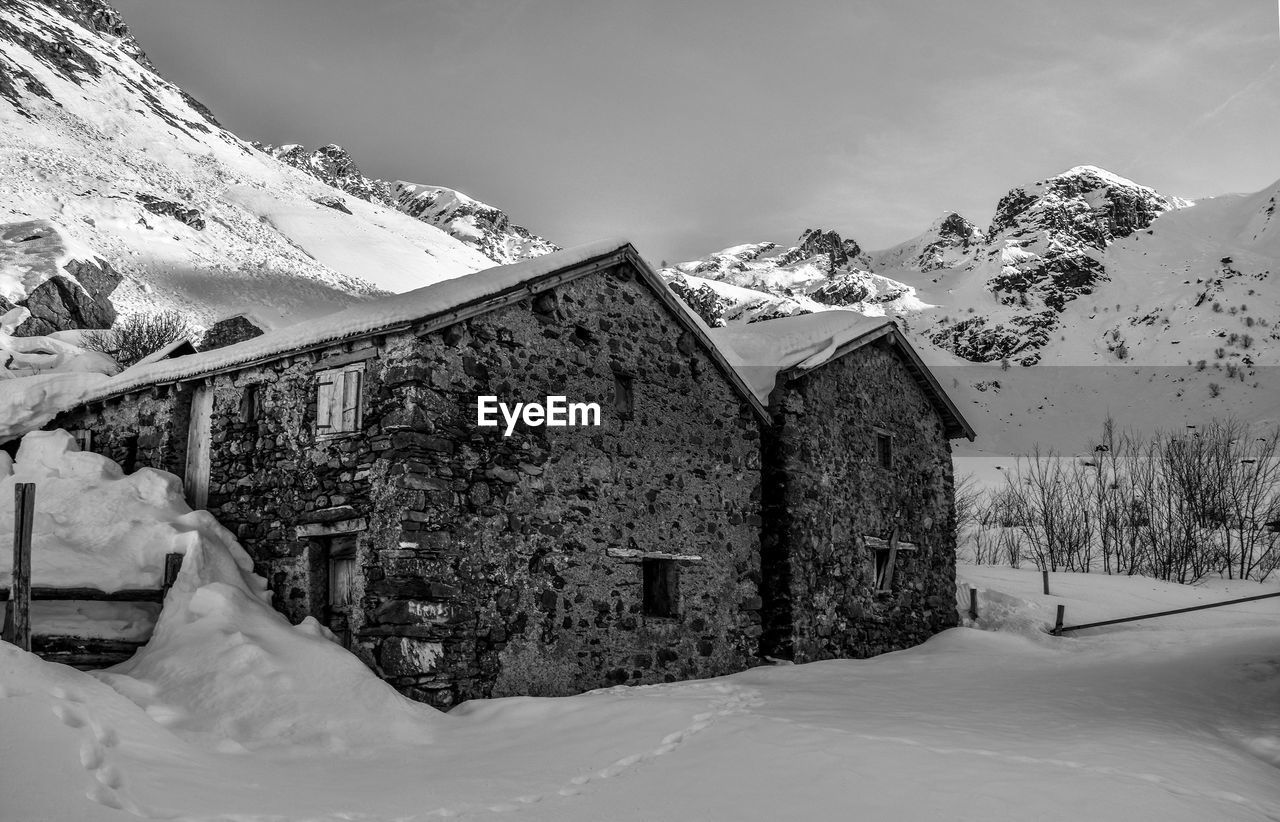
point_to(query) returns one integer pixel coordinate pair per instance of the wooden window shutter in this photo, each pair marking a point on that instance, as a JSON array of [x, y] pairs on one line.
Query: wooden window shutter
[[351, 391], [328, 400]]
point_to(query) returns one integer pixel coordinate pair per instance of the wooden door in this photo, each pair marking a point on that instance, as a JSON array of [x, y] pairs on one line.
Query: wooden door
[[341, 599], [198, 447]]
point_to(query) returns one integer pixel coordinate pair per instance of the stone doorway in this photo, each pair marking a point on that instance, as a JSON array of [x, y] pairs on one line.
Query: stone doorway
[[333, 583]]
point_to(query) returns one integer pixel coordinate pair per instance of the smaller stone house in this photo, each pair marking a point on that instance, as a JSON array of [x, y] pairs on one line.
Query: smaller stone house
[[858, 545]]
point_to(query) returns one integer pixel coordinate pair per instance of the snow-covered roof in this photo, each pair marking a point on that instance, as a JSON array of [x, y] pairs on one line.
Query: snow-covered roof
[[361, 319], [450, 297], [762, 351], [178, 348]]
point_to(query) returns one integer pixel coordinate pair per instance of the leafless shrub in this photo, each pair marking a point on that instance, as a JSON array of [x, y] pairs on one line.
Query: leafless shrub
[[1177, 506], [137, 335]]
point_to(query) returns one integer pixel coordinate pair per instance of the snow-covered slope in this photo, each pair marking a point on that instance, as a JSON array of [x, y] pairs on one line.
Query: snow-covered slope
[[233, 714], [483, 227], [131, 168]]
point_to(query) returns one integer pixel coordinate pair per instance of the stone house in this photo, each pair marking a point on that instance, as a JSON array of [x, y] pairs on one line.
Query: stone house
[[705, 520], [457, 561], [858, 543]]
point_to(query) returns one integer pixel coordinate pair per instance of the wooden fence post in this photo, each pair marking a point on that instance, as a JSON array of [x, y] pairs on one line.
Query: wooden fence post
[[1057, 623], [973, 602], [172, 564], [1045, 575], [24, 502]]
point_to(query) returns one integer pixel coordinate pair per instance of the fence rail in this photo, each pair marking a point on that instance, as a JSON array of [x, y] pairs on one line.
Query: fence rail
[[1059, 629], [80, 652]]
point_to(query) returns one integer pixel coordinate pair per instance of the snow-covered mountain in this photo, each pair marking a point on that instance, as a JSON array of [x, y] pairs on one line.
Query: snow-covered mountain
[[125, 172], [485, 228], [1171, 306], [760, 281], [1085, 267]]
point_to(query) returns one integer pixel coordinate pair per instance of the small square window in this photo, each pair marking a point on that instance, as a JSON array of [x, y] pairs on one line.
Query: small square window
[[339, 401], [884, 449], [661, 587], [624, 403]]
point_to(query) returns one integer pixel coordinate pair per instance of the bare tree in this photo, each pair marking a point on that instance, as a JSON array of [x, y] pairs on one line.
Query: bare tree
[[134, 337]]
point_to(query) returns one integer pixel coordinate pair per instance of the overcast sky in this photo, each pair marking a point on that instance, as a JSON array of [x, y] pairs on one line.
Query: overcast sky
[[690, 125]]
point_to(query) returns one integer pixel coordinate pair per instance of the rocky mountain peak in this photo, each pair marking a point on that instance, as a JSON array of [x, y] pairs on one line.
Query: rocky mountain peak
[[333, 165], [488, 229], [100, 17], [957, 228], [1047, 238]]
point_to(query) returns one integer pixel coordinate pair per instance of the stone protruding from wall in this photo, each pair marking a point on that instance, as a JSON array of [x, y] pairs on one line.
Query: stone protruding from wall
[[229, 331]]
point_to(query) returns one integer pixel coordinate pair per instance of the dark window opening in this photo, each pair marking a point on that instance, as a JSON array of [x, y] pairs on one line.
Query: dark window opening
[[661, 587], [83, 438], [250, 404], [624, 402], [884, 450], [884, 569], [129, 462]]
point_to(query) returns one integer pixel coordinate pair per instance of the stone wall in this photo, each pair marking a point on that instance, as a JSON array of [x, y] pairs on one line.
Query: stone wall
[[493, 565], [825, 491], [147, 429]]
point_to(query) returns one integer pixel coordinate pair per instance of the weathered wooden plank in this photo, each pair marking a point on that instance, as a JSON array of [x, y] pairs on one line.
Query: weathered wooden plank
[[43, 593], [82, 653], [20, 609], [172, 564]]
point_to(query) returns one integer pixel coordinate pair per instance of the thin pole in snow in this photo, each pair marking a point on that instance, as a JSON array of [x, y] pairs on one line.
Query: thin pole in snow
[[1057, 623], [1045, 574], [24, 503], [973, 602]]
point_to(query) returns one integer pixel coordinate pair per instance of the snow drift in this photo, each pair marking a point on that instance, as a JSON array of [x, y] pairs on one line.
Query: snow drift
[[222, 663]]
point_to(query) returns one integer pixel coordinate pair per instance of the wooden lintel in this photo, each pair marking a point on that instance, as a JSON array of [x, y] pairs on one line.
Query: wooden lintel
[[636, 554], [881, 544]]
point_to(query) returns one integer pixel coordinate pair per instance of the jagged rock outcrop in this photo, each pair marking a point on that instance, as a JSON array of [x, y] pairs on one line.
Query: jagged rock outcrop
[[59, 293], [177, 211], [949, 242], [489, 230], [335, 202], [333, 165], [60, 304], [1047, 238]]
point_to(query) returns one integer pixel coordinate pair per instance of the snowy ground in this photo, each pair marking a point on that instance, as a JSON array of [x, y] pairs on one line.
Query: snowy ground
[[1173, 719]]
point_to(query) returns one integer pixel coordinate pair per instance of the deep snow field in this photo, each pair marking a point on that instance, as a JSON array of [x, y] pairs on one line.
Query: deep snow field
[[230, 713]]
